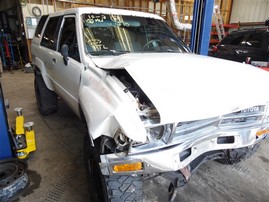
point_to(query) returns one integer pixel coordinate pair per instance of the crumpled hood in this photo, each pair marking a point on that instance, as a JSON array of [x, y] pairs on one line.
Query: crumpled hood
[[186, 87]]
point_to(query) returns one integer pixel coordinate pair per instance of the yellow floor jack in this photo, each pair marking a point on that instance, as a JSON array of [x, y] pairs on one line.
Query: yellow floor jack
[[24, 136], [13, 175]]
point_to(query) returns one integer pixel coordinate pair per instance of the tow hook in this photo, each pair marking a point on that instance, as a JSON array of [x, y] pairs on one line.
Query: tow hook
[[180, 178]]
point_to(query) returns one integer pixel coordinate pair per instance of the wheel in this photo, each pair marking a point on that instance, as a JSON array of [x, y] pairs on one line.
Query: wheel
[[13, 178], [155, 43], [46, 99], [102, 188]]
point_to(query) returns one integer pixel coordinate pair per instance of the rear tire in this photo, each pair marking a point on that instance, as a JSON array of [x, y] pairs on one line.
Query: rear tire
[[46, 99], [117, 188]]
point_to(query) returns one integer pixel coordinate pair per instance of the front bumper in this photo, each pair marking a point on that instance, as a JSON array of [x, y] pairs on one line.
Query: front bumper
[[174, 157]]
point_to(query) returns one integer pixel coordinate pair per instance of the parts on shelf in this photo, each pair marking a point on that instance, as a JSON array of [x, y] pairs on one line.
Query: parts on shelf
[[7, 53]]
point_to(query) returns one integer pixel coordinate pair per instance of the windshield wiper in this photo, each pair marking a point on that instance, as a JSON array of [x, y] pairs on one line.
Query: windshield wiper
[[108, 52]]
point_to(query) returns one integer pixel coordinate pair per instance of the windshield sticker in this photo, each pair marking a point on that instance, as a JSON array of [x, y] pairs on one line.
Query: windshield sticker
[[95, 19], [118, 20], [97, 43]]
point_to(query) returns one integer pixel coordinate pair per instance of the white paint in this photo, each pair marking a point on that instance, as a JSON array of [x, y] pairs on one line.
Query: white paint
[[182, 86], [185, 87]]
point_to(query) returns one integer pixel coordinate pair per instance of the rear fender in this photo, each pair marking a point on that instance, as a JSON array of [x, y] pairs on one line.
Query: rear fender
[[41, 66]]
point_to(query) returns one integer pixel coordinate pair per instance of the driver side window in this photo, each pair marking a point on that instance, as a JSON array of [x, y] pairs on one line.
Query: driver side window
[[69, 37]]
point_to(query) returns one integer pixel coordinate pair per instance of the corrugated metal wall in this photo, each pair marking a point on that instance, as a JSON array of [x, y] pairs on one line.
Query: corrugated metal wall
[[249, 11]]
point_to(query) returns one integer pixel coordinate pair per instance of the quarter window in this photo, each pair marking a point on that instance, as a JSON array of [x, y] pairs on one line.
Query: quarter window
[[40, 26]]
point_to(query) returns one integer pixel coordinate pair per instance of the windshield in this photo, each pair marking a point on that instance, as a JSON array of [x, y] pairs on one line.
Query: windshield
[[118, 34]]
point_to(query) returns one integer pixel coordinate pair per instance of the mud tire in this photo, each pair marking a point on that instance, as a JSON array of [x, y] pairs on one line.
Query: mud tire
[[115, 188], [46, 99]]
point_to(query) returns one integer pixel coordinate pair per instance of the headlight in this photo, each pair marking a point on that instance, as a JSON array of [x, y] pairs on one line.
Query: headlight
[[160, 132], [156, 133]]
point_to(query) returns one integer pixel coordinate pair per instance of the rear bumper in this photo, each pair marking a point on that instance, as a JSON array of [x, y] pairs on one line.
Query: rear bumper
[[179, 156]]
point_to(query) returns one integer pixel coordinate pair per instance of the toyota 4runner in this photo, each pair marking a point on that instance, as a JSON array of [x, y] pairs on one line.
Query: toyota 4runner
[[151, 106]]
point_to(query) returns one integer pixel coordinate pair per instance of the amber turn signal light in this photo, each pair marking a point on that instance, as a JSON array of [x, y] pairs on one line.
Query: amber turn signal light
[[128, 167]]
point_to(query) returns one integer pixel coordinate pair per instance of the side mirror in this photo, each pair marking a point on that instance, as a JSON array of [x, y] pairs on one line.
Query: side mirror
[[64, 52]]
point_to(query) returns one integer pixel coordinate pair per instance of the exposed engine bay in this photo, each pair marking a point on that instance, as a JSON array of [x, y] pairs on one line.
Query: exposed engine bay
[[147, 110]]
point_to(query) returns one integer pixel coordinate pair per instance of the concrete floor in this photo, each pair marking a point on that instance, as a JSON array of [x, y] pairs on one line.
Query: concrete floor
[[56, 169]]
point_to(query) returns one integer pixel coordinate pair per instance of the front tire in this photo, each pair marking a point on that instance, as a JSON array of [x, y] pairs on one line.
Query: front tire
[[46, 99], [102, 188]]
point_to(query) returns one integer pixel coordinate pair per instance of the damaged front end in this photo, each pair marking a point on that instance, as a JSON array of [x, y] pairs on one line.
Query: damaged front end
[[177, 149], [175, 146]]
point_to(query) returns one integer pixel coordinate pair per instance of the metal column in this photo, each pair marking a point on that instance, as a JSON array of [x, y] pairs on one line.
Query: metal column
[[5, 144], [201, 26]]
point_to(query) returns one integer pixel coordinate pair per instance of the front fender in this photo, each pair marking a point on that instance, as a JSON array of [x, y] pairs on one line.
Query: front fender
[[105, 112]]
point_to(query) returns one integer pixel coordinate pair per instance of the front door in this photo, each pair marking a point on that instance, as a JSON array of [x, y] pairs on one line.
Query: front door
[[66, 76]]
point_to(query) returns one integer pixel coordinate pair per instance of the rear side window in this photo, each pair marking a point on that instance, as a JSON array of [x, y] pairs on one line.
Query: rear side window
[[50, 35], [254, 41], [236, 41], [233, 40], [40, 26]]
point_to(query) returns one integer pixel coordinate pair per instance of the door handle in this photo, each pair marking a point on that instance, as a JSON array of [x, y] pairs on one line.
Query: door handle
[[54, 60]]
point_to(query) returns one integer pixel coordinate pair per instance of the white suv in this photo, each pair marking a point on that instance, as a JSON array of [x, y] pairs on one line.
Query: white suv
[[151, 106]]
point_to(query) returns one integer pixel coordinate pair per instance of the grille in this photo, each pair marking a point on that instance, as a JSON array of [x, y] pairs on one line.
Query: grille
[[195, 126], [244, 118]]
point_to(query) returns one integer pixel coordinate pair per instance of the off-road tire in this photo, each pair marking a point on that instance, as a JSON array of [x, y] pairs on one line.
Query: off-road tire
[[115, 188], [46, 99]]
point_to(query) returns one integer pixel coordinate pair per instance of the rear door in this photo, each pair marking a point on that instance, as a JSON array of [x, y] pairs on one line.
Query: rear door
[[48, 45]]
